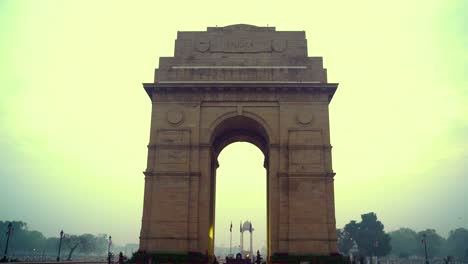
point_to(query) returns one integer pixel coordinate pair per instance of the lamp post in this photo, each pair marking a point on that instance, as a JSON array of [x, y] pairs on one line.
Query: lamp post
[[60, 246], [425, 247], [108, 250], [10, 227]]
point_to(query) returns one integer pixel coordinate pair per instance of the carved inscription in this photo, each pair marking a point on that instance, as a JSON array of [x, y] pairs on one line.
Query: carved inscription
[[240, 45], [173, 137], [171, 160], [172, 156]]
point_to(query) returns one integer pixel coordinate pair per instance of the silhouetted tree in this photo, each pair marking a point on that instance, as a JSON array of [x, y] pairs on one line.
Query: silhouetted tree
[[369, 236], [51, 244], [345, 242], [457, 243], [405, 242], [21, 239], [85, 243], [434, 243]]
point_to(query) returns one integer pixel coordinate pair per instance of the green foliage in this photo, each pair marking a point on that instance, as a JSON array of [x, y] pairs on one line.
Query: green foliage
[[345, 242], [369, 236], [100, 244], [21, 238], [86, 244], [25, 241], [457, 243], [434, 243], [405, 242]]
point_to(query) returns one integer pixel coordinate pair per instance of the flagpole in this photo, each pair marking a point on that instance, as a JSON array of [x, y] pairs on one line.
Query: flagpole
[[230, 242]]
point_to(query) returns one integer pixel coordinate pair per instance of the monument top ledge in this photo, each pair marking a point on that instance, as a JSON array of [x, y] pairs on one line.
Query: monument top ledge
[[242, 40], [242, 27], [240, 55]]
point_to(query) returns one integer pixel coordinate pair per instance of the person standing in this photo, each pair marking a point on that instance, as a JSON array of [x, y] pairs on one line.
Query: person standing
[[121, 258]]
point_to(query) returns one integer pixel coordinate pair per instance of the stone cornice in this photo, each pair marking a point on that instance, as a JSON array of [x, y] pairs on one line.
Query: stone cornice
[[236, 67], [197, 146], [295, 146], [171, 174], [323, 175], [267, 87]]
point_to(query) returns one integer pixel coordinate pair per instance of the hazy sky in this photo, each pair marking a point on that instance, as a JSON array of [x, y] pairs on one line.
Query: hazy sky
[[74, 118]]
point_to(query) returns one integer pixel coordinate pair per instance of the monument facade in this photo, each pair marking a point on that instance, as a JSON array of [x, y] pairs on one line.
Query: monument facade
[[229, 84]]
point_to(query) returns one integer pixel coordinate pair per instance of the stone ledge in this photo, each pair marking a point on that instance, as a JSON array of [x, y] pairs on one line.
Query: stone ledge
[[172, 174], [319, 175], [279, 87]]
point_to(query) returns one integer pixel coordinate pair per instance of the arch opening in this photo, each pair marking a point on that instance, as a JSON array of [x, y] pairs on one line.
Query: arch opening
[[240, 197], [239, 191], [239, 129]]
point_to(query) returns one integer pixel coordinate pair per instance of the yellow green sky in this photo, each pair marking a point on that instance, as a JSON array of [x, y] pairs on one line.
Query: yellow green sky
[[74, 118]]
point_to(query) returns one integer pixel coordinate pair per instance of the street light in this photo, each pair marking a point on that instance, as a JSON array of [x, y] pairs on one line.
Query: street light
[[10, 227], [60, 245], [425, 247], [108, 251]]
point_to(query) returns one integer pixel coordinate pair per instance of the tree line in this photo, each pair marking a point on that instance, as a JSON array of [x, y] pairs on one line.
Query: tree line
[[23, 242], [368, 238]]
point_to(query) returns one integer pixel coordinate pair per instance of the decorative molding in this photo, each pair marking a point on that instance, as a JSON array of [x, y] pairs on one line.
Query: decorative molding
[[242, 27], [236, 96], [304, 118], [240, 91], [237, 82], [271, 146], [171, 146], [318, 146], [319, 175], [279, 45], [172, 174], [236, 67], [175, 117]]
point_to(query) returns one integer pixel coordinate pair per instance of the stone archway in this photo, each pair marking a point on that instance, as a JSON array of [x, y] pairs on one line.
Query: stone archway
[[239, 83], [237, 128]]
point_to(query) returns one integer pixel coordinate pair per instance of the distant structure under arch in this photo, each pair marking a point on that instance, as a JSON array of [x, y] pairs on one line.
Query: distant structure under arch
[[246, 227]]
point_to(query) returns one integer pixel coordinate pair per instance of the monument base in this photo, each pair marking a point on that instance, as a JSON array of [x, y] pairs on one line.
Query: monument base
[[283, 258], [142, 257]]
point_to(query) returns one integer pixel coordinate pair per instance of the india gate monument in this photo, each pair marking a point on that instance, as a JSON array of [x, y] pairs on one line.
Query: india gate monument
[[229, 84]]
